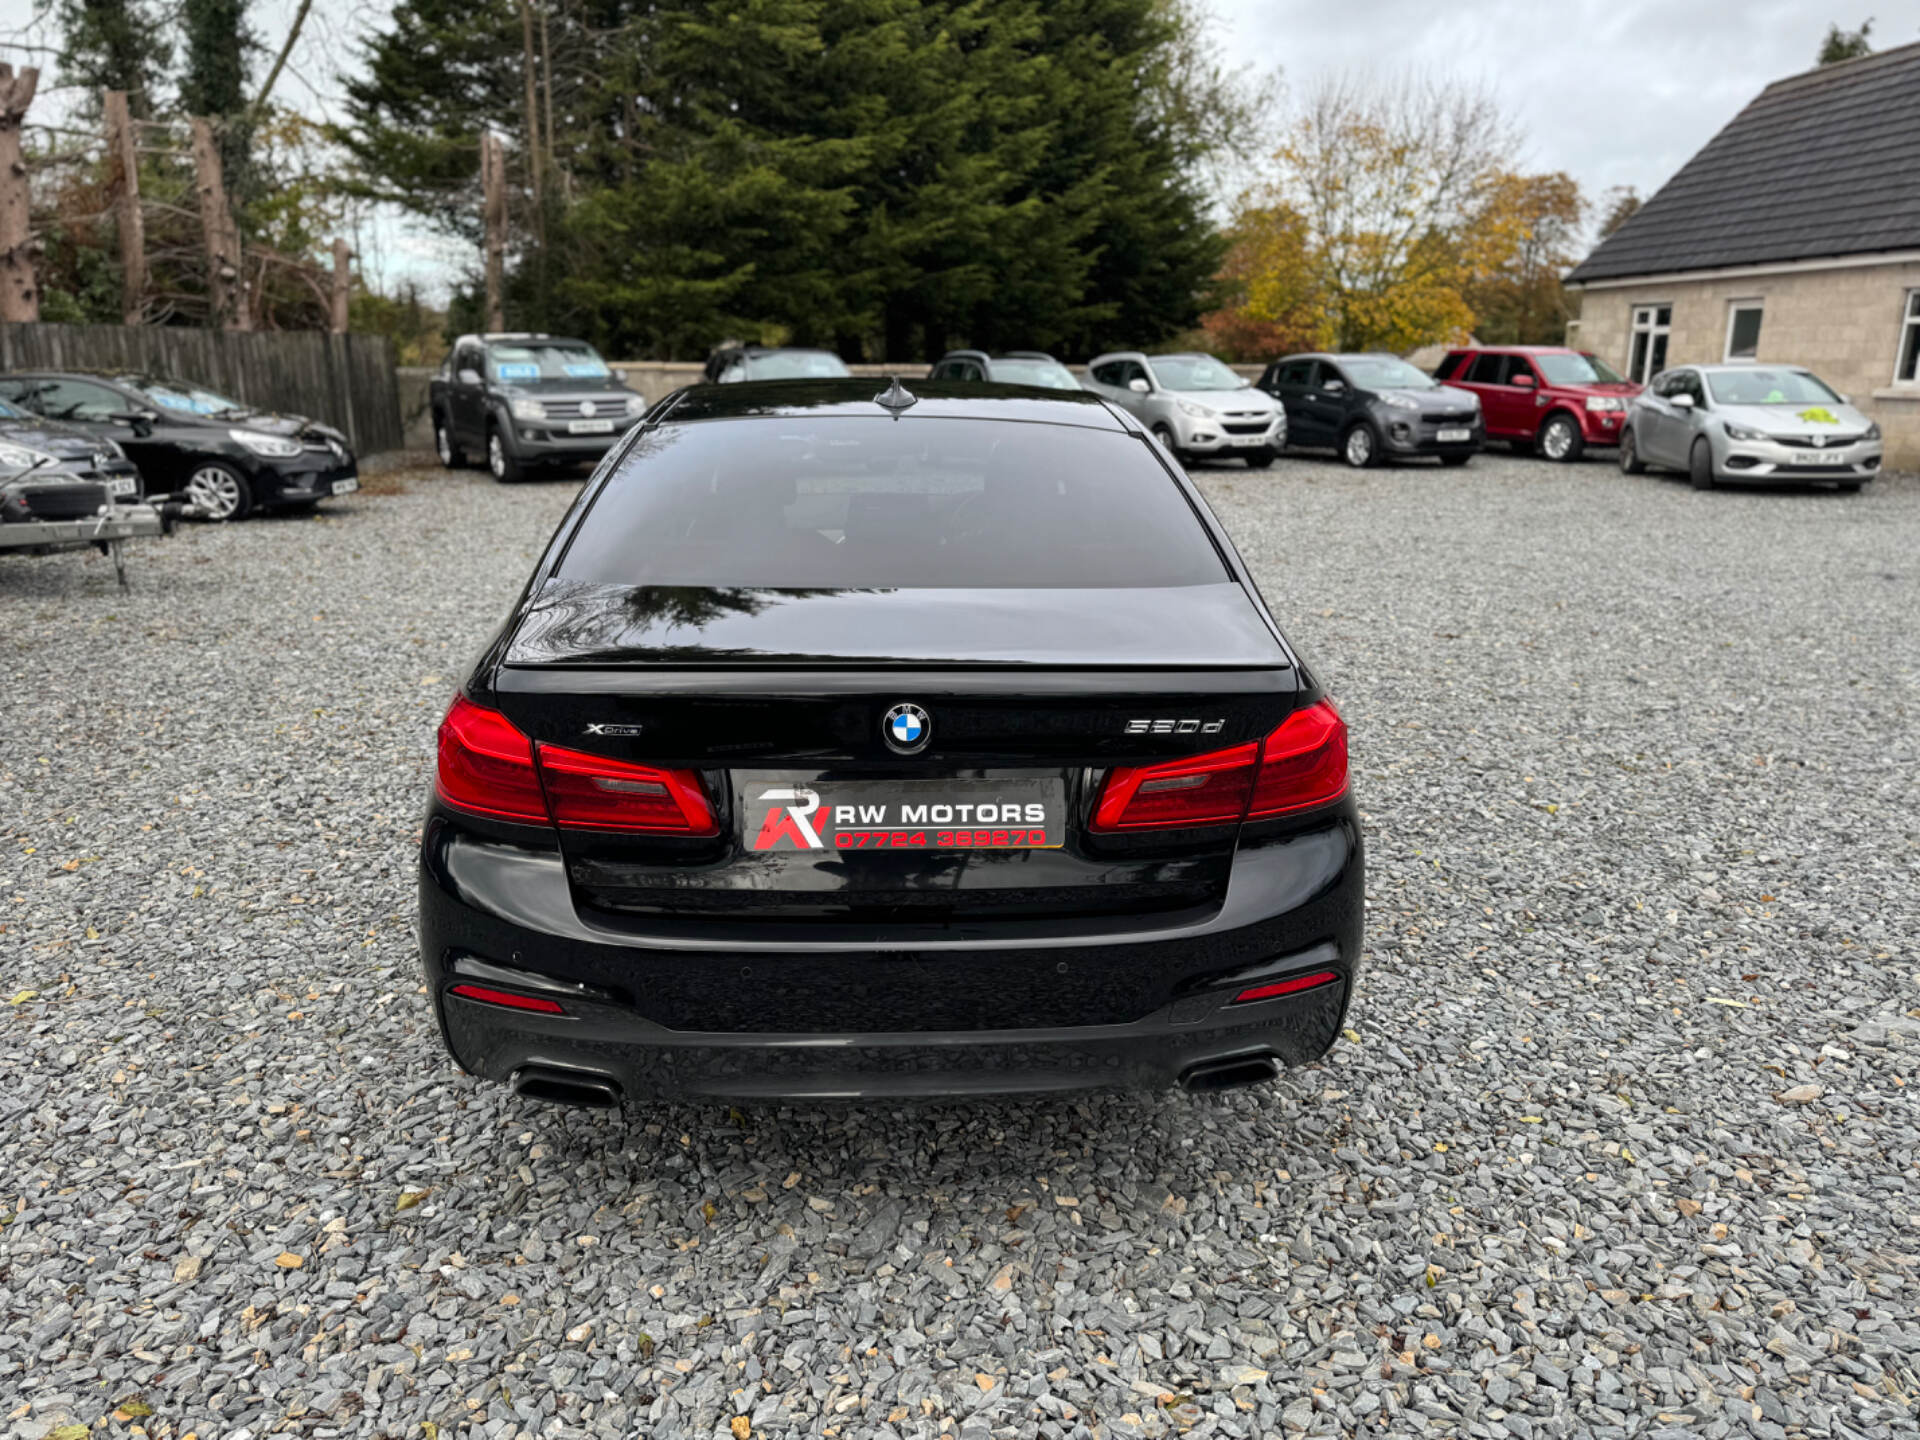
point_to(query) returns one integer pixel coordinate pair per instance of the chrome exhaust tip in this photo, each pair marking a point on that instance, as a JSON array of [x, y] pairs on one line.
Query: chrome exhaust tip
[[554, 1086], [1233, 1074]]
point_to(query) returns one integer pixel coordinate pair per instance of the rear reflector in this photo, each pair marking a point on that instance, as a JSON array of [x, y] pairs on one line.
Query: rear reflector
[[508, 999], [1299, 766], [1292, 985], [591, 792], [486, 766]]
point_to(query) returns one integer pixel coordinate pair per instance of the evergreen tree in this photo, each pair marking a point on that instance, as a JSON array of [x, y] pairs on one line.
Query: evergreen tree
[[113, 45]]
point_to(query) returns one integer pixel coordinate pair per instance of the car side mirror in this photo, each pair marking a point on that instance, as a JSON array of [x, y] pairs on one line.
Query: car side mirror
[[1680, 402], [1334, 387], [1525, 382], [468, 377], [141, 421], [1138, 386]]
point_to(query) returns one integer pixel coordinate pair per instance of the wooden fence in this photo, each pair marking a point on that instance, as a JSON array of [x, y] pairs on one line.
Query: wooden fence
[[342, 380]]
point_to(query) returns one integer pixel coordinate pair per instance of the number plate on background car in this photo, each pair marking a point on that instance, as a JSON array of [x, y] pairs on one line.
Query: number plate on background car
[[345, 487], [1830, 458], [780, 813], [590, 427], [1453, 437], [122, 486]]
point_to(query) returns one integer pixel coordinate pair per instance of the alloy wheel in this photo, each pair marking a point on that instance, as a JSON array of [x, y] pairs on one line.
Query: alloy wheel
[[1359, 446], [215, 492], [1558, 440], [496, 456], [443, 444]]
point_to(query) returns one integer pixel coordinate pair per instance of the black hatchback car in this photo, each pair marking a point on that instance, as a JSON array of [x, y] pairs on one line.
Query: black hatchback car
[[46, 446], [225, 458], [845, 745], [1372, 408]]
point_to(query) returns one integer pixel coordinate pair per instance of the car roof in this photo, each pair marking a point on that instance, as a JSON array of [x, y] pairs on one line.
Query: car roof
[[963, 399]]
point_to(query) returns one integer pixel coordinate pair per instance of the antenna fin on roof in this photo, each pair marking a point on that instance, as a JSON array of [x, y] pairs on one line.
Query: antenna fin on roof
[[896, 398]]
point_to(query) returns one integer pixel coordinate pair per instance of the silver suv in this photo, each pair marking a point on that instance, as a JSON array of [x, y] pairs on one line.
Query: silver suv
[[1194, 404]]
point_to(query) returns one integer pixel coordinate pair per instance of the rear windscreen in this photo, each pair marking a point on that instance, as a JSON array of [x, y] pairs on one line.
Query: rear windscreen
[[929, 503]]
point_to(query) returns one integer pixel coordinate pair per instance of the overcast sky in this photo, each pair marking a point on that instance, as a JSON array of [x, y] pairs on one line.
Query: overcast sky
[[1616, 92]]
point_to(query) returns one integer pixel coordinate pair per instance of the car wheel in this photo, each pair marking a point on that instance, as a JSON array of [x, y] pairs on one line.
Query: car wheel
[[219, 492], [450, 454], [1561, 440], [1165, 437], [1700, 465], [1361, 448], [1259, 462], [1630, 461], [500, 460]]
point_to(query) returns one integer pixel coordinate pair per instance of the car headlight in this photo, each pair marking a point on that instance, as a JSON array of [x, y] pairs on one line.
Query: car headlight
[[20, 457], [523, 408], [636, 404], [1741, 432], [1873, 431], [1400, 402], [261, 443], [1198, 412], [1605, 402]]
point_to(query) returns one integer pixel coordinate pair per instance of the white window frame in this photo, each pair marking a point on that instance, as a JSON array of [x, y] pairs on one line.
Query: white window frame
[[1909, 334], [1653, 330], [1734, 308]]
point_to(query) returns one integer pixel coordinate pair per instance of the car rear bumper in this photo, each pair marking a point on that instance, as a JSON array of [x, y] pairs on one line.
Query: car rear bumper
[[504, 917]]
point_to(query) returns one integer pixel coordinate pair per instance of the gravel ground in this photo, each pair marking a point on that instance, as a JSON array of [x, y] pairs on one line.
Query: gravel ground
[[1622, 1140]]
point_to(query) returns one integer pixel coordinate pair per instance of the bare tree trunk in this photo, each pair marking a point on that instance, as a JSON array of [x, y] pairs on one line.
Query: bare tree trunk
[[493, 183], [126, 205], [342, 282], [226, 277], [19, 290], [535, 170], [546, 86]]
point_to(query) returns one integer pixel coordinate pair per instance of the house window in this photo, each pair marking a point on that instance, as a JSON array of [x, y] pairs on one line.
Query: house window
[[1651, 326], [1907, 370], [1743, 329]]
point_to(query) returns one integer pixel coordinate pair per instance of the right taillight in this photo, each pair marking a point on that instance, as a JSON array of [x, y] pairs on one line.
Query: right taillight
[[486, 766], [1300, 765]]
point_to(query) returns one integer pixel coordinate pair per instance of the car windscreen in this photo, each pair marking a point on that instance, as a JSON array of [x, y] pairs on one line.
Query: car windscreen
[[1383, 372], [1047, 374], [187, 399], [1194, 372], [8, 412], [934, 502], [796, 365], [1768, 387], [532, 362], [1577, 370]]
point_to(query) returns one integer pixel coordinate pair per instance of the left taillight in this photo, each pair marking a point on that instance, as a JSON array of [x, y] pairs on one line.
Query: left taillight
[[486, 766], [489, 767], [1301, 765], [591, 792]]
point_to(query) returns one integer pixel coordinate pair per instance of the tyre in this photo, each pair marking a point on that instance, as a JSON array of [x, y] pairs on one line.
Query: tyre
[[219, 492], [501, 462], [1453, 462], [1630, 461], [1560, 439], [1165, 437], [1361, 447], [1259, 462], [450, 453], [1700, 465]]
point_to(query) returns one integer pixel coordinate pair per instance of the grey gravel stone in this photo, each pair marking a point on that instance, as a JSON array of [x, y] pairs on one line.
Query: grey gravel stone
[[1638, 770]]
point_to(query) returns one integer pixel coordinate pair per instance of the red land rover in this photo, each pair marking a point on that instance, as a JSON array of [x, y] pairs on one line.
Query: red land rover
[[1543, 396]]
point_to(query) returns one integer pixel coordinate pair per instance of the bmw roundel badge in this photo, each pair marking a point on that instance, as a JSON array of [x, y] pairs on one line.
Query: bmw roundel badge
[[906, 728]]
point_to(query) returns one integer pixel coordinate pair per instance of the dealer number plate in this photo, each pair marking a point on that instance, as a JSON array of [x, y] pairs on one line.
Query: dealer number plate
[[590, 427], [780, 813], [1454, 437], [121, 485], [345, 487]]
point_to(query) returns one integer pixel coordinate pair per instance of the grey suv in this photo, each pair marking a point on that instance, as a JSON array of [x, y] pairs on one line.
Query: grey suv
[[1194, 404], [524, 400], [1016, 367]]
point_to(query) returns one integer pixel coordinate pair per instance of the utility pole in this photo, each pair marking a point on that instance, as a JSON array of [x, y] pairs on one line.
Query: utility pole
[[493, 184], [19, 290], [226, 279], [126, 205], [342, 286]]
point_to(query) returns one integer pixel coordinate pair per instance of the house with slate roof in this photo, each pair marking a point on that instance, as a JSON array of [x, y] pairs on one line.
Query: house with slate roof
[[1794, 236]]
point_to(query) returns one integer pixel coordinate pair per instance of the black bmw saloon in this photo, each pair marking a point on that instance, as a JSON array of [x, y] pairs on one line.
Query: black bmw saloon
[[848, 745]]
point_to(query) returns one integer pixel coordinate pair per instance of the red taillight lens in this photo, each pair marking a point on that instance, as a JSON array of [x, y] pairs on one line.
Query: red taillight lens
[[1298, 766], [1302, 764], [591, 792], [1292, 985], [508, 999], [486, 765], [1207, 789]]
